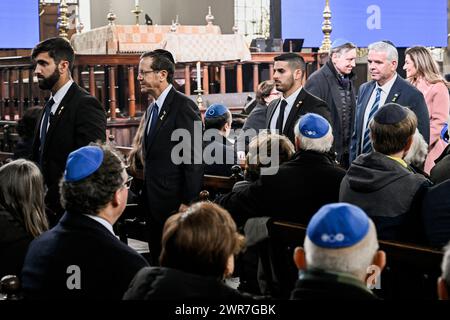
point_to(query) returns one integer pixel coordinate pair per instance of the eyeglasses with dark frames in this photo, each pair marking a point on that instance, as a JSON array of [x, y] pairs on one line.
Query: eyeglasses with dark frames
[[142, 73], [127, 184]]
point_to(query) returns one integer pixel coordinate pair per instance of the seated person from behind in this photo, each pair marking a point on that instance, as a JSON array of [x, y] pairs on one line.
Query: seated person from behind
[[22, 212], [311, 178], [382, 184], [256, 159], [81, 258], [256, 120], [219, 154], [26, 128], [444, 279], [340, 248], [198, 248]]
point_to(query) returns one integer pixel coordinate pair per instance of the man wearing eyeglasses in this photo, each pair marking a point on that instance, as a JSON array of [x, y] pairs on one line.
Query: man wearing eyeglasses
[[71, 118], [81, 258], [168, 185]]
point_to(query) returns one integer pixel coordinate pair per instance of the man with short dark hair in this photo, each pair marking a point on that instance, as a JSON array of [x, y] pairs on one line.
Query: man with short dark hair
[[169, 184], [282, 114], [70, 119], [81, 258], [382, 184], [333, 83]]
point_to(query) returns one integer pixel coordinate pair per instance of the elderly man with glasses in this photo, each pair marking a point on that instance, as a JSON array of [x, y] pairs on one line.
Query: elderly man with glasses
[[81, 258]]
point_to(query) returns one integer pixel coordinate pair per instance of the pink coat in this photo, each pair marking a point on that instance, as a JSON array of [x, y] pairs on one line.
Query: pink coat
[[438, 103]]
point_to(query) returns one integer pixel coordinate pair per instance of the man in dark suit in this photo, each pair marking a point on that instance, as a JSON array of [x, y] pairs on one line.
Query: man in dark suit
[[172, 176], [81, 258], [334, 84], [386, 86], [71, 118], [282, 114], [307, 182]]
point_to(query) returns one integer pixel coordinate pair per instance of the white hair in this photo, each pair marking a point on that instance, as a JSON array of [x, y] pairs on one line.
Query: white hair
[[353, 260], [381, 46], [445, 266], [418, 152], [323, 144]]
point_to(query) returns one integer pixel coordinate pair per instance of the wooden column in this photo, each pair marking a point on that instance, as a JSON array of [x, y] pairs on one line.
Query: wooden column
[[223, 80], [239, 77], [2, 96], [112, 92], [21, 94], [255, 76], [132, 94], [75, 75], [11, 94], [205, 83], [91, 81], [271, 71], [187, 79], [30, 88]]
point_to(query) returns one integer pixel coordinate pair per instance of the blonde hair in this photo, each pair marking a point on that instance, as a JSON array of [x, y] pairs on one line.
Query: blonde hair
[[22, 195], [257, 158], [426, 66]]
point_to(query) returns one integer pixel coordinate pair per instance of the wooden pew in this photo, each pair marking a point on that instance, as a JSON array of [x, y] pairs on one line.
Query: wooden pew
[[411, 270]]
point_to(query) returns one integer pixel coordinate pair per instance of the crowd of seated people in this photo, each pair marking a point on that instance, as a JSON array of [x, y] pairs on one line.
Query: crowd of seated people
[[392, 192]]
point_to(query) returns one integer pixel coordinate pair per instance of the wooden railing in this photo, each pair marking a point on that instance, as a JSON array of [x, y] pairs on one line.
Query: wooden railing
[[112, 79]]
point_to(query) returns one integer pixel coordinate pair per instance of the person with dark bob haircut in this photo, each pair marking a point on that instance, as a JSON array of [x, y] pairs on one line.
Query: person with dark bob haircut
[[198, 248], [81, 258]]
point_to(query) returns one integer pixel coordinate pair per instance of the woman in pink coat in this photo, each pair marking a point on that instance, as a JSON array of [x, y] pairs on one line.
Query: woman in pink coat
[[423, 72]]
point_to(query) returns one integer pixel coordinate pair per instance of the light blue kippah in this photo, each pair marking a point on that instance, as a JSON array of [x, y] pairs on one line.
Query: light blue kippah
[[338, 225], [215, 110], [339, 42], [313, 126], [82, 163]]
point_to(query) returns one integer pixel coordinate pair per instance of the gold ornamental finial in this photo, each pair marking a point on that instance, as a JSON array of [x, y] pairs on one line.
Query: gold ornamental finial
[[326, 29], [63, 21]]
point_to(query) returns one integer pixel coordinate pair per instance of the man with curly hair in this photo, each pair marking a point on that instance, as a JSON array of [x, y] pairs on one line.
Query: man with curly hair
[[81, 258]]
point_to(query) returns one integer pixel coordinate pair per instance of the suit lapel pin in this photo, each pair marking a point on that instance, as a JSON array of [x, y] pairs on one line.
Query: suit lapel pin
[[60, 110], [395, 97], [299, 103], [163, 115]]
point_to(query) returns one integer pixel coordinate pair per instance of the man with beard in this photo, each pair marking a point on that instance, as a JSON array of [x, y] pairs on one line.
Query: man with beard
[[334, 84], [282, 114], [70, 119]]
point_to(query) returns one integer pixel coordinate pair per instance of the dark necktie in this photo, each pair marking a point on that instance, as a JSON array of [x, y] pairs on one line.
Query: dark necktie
[[367, 143], [280, 119], [152, 125], [45, 119]]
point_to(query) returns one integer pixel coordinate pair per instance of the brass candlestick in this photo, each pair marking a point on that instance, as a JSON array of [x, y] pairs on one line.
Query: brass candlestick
[[326, 29], [63, 21], [199, 98], [137, 12]]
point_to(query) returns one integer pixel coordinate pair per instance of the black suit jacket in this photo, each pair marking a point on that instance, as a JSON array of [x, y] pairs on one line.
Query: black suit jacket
[[324, 84], [106, 265], [304, 103], [79, 120], [403, 93], [167, 182], [299, 188]]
